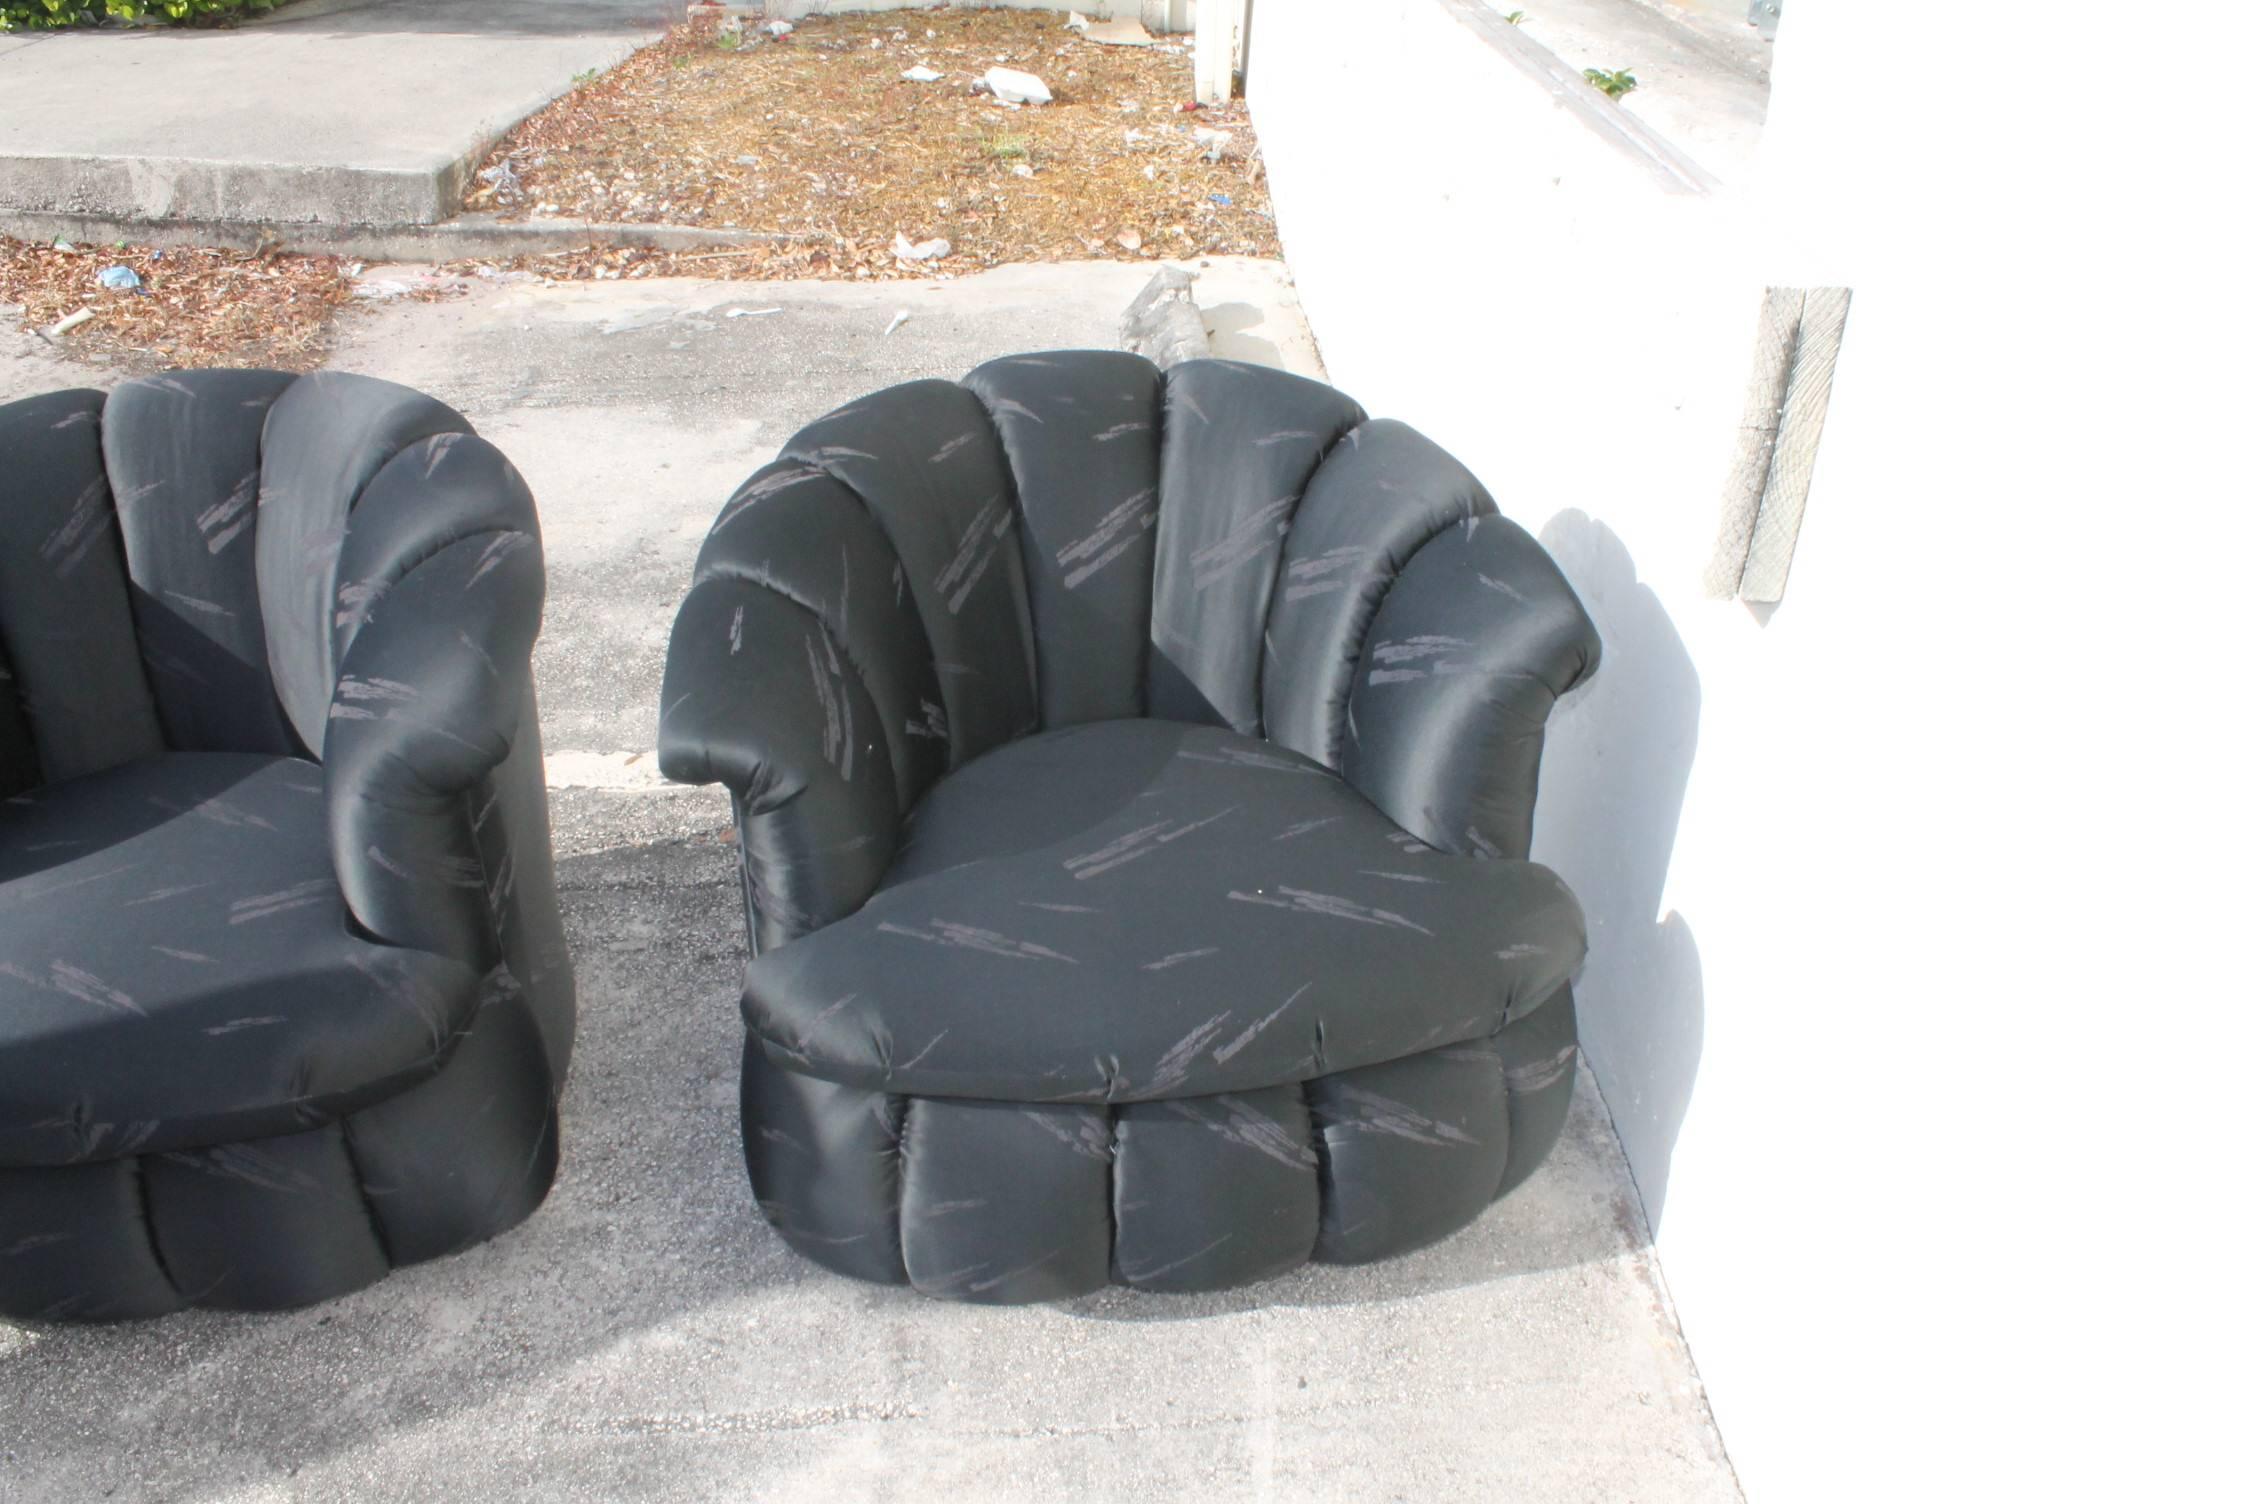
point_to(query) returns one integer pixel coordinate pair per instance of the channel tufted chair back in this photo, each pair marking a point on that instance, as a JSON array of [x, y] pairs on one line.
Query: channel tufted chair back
[[192, 570], [1134, 776], [284, 997], [1079, 537]]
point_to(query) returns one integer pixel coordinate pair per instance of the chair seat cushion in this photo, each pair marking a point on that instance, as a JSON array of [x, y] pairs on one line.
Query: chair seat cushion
[[178, 970], [1138, 910]]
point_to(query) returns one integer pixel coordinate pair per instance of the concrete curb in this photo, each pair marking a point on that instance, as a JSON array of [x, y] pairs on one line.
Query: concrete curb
[[162, 188], [361, 113], [467, 237], [1670, 168]]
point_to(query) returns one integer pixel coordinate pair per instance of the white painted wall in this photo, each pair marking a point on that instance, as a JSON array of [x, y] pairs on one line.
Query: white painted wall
[[1914, 907]]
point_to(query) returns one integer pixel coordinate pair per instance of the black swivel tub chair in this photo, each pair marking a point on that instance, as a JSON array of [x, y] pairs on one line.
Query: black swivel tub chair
[[284, 1000], [1133, 778]]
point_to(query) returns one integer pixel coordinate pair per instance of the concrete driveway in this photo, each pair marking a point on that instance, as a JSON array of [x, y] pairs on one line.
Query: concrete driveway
[[644, 1335], [352, 112]]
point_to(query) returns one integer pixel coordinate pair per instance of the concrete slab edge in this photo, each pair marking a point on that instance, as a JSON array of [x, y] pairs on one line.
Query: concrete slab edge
[[1637, 1233], [455, 178], [466, 237], [271, 194], [1669, 167]]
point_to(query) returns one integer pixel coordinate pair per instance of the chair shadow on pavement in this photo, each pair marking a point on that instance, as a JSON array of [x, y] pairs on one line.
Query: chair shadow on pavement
[[649, 1223], [648, 1283]]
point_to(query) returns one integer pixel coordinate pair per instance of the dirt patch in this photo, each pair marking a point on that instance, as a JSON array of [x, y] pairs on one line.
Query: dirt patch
[[818, 138], [187, 306]]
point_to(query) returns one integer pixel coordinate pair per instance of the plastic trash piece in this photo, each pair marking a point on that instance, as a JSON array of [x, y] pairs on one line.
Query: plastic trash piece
[[119, 278], [1013, 87], [1163, 324], [1125, 32], [921, 250], [502, 178]]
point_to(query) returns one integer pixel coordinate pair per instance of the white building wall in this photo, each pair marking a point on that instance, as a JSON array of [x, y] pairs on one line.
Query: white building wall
[[1910, 903]]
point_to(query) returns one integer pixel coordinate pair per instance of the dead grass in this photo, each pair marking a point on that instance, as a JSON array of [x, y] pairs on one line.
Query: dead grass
[[817, 137], [196, 307]]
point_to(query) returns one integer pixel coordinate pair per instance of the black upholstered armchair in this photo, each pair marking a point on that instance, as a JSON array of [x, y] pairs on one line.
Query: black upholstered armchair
[[1134, 776], [284, 1000]]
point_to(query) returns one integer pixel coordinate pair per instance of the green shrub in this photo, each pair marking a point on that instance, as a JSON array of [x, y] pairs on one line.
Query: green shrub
[[30, 15], [25, 15]]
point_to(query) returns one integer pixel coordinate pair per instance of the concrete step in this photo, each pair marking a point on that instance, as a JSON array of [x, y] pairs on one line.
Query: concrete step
[[329, 112]]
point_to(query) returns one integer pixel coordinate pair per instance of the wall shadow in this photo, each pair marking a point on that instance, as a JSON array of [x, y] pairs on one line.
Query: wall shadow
[[1229, 333], [1615, 768]]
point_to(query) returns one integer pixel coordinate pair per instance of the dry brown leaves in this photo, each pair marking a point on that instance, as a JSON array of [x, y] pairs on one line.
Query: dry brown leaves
[[816, 139], [819, 138], [196, 306]]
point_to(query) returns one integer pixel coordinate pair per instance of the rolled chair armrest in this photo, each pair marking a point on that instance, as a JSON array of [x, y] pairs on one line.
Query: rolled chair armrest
[[1474, 642], [760, 697], [441, 585]]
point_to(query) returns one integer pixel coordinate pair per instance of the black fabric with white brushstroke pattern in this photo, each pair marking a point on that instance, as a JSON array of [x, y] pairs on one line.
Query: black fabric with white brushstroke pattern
[[1088, 507], [66, 614], [1240, 446], [1008, 1202], [1145, 899], [284, 1000], [181, 969], [1128, 911]]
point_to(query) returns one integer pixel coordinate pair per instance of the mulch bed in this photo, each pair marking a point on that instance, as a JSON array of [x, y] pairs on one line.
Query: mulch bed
[[195, 306], [817, 137]]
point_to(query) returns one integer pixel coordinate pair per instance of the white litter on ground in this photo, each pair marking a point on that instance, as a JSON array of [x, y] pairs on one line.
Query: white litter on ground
[[921, 250], [1013, 87], [1123, 32], [637, 771]]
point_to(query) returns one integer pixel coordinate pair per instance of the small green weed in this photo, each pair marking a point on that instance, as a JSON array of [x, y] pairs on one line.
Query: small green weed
[[1612, 83]]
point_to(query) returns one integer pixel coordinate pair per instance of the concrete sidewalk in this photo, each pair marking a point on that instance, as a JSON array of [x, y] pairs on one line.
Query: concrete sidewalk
[[356, 112], [645, 1335], [1703, 73]]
